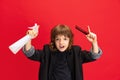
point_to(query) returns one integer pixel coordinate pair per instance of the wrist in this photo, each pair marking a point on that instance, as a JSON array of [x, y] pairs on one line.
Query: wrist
[[94, 42], [95, 47]]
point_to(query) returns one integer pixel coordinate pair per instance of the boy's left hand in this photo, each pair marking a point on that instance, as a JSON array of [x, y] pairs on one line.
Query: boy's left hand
[[91, 36]]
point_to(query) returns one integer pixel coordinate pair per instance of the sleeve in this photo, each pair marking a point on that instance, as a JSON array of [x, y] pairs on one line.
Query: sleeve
[[33, 54], [96, 56], [30, 52], [89, 56], [83, 55], [86, 56]]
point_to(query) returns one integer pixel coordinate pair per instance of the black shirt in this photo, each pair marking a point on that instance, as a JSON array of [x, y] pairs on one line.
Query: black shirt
[[61, 70]]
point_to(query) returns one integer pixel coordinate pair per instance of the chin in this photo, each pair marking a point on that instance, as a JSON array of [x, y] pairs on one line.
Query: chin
[[62, 50]]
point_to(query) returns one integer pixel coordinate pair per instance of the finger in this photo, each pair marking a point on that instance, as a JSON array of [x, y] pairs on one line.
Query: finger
[[38, 26], [28, 32], [93, 35], [89, 29]]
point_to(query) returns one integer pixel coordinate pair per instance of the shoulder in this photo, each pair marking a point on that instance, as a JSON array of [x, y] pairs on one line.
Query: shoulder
[[76, 47], [46, 47]]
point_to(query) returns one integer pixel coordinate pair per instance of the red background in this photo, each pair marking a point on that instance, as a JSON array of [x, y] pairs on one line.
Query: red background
[[103, 16]]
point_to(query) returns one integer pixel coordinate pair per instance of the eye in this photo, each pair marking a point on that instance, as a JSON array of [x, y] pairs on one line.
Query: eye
[[65, 38], [56, 39]]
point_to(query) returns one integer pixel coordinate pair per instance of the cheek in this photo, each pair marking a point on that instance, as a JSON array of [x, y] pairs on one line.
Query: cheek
[[67, 42]]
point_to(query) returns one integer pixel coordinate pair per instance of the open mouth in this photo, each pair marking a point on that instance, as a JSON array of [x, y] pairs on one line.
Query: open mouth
[[61, 46]]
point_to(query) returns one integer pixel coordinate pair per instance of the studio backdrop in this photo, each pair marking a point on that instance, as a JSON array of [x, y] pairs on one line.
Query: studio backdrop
[[103, 17]]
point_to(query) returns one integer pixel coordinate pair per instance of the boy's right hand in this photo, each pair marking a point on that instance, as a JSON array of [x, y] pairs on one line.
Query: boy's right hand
[[32, 33]]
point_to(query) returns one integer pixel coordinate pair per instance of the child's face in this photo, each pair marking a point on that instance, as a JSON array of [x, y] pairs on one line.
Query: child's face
[[62, 42]]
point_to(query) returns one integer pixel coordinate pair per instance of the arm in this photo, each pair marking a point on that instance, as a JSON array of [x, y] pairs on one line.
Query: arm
[[28, 49], [33, 34], [92, 38], [31, 52]]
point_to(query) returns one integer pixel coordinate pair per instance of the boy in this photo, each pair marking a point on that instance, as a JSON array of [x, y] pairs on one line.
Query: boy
[[61, 60]]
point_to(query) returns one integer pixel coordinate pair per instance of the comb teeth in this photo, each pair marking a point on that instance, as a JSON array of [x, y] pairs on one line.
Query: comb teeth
[[81, 30]]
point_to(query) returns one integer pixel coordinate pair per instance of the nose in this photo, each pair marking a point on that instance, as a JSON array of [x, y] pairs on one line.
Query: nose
[[61, 41]]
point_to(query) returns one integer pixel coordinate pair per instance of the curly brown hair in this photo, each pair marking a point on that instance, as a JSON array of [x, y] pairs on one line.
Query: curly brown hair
[[60, 29]]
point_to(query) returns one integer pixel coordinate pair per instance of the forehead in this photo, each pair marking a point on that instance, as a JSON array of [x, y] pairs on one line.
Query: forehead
[[61, 36]]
